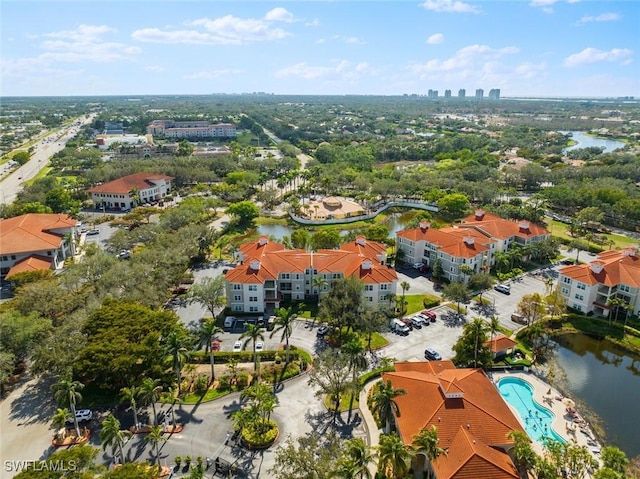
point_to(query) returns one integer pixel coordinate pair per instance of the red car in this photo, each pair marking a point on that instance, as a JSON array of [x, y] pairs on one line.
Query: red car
[[429, 314]]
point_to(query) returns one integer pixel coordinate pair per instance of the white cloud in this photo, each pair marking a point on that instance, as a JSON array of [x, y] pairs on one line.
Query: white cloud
[[313, 23], [593, 55], [545, 5], [342, 70], [345, 39], [450, 6], [212, 75], [279, 14], [603, 17], [227, 30], [435, 39], [84, 33], [155, 68]]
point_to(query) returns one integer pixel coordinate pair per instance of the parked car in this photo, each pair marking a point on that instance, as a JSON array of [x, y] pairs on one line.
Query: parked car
[[418, 265], [93, 232], [429, 314], [399, 327], [237, 346], [408, 322], [259, 346], [124, 254], [82, 415], [518, 318], [322, 330], [503, 288], [228, 321], [416, 322], [432, 354]]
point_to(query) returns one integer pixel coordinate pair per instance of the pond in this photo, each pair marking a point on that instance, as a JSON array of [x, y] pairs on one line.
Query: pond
[[585, 141], [607, 380]]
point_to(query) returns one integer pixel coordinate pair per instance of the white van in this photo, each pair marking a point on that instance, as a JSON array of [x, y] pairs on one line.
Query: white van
[[228, 322], [399, 327]]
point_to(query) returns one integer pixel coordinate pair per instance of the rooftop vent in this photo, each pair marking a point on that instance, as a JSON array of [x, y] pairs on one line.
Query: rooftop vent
[[263, 240], [469, 240], [361, 240], [367, 265], [254, 265], [424, 225], [524, 225], [479, 214], [597, 267]]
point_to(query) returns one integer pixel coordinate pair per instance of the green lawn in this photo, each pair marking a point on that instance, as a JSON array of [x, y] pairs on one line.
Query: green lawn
[[415, 302], [560, 230]]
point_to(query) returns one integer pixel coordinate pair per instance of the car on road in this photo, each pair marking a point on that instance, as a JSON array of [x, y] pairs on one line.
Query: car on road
[[259, 346], [429, 314], [432, 354], [93, 232], [82, 415], [237, 346], [418, 265], [503, 288], [322, 330]]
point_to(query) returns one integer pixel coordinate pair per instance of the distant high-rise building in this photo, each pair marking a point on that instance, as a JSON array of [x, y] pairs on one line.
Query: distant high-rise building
[[432, 93], [494, 94], [447, 93], [479, 93], [462, 93]]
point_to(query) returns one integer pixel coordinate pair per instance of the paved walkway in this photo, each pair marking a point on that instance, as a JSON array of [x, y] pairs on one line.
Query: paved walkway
[[370, 423], [563, 424]]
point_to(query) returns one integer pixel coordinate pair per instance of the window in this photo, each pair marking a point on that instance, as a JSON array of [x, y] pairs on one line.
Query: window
[[237, 307], [368, 287], [336, 275], [384, 287], [384, 297], [581, 286], [237, 297], [13, 256], [253, 287], [237, 286], [306, 271], [253, 309], [253, 299], [4, 258], [284, 275], [370, 298], [565, 291], [624, 287], [577, 306], [297, 276], [566, 280], [580, 297]]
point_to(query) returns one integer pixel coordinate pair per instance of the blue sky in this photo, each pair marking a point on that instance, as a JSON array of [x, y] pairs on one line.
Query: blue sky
[[525, 48]]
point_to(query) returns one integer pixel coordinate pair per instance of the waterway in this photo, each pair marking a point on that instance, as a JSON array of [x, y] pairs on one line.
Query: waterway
[[607, 380], [585, 141]]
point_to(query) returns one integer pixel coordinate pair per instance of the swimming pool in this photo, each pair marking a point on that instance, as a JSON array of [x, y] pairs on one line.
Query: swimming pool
[[536, 418]]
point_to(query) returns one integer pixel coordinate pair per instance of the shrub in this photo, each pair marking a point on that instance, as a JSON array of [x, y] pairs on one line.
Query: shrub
[[242, 381], [178, 460], [260, 434], [202, 383], [430, 301], [224, 382]]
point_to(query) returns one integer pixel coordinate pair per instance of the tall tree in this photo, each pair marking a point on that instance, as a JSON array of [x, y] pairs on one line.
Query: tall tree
[[252, 333], [285, 318], [155, 437], [383, 404], [481, 281], [210, 293], [176, 352], [405, 287], [207, 334], [66, 392], [112, 436], [524, 456], [131, 394], [393, 457], [470, 350], [331, 375], [457, 292], [531, 307], [426, 441], [150, 390], [360, 456], [357, 362], [342, 306]]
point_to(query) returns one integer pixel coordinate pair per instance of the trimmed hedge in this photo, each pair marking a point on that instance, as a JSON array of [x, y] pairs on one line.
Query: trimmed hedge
[[222, 357]]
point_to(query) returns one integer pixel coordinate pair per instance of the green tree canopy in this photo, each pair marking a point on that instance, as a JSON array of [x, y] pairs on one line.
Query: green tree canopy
[[244, 212]]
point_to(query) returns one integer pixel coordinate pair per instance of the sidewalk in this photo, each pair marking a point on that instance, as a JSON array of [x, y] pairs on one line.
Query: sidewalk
[[369, 422]]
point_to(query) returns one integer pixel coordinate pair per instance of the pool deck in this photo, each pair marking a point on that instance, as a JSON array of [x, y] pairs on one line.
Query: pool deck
[[563, 424]]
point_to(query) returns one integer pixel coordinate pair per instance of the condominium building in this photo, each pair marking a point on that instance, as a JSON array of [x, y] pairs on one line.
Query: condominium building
[[613, 274], [191, 129], [494, 94], [269, 273], [35, 242], [479, 93], [447, 93], [473, 242], [462, 93], [129, 191]]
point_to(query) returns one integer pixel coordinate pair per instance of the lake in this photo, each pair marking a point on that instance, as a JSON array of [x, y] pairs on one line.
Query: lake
[[586, 141], [607, 380]]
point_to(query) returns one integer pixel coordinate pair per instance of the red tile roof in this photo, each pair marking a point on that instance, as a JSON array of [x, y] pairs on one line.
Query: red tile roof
[[611, 268], [33, 232], [501, 228], [31, 263], [454, 241], [350, 260], [469, 458], [122, 186], [440, 395], [500, 343]]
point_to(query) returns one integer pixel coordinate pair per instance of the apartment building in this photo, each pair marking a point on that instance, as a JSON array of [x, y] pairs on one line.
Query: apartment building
[[191, 129], [35, 242], [473, 242], [129, 191], [269, 273], [613, 274]]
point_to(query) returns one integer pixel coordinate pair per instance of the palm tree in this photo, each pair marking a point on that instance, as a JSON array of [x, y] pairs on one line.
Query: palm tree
[[130, 394], [383, 404], [112, 435], [360, 456], [284, 323], [393, 457], [150, 391], [615, 304], [426, 441], [477, 328], [319, 282], [494, 326], [176, 353], [357, 361], [345, 469], [67, 393], [155, 437], [60, 418], [405, 287], [207, 333], [253, 332]]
